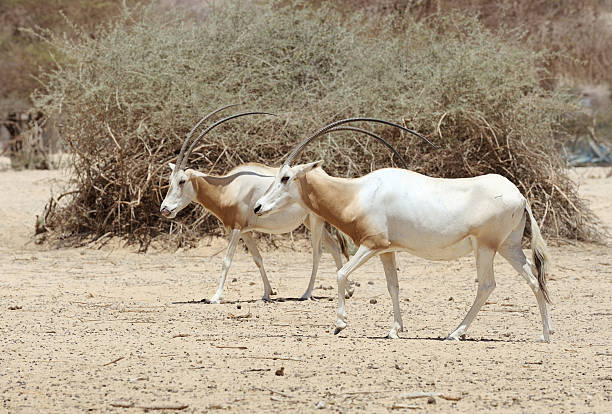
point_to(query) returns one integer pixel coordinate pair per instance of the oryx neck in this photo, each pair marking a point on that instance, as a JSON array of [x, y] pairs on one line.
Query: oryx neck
[[209, 192], [331, 198]]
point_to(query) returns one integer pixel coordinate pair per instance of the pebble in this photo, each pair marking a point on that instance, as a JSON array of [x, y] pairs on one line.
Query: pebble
[[321, 405], [373, 301], [280, 372]]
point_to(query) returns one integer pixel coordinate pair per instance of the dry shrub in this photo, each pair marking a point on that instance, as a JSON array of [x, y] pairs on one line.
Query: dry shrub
[[130, 94], [576, 34], [24, 55]]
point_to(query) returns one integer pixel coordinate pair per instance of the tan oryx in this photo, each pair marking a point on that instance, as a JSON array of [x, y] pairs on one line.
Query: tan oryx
[[390, 210], [231, 198]]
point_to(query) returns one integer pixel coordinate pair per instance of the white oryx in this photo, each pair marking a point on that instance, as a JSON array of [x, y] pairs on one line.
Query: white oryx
[[391, 210], [231, 198]]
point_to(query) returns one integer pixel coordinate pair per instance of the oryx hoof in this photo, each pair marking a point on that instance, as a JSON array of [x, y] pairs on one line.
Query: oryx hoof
[[451, 338], [340, 325], [455, 337], [544, 339], [349, 292]]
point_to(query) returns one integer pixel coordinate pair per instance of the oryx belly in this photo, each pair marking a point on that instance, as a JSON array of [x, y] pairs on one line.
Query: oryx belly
[[440, 219], [283, 221], [252, 188]]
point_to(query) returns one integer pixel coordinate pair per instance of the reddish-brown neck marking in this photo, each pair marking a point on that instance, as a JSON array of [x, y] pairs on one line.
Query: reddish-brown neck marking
[[336, 200], [211, 195]]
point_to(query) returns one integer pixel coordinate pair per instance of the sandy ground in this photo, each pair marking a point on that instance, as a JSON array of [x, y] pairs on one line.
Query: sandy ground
[[112, 330]]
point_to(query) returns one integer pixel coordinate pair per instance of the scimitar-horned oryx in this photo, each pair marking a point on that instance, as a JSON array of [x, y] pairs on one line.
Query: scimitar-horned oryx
[[390, 210], [231, 198]]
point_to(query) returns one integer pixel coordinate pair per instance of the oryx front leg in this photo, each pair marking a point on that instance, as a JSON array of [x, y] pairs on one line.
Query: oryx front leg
[[227, 261], [486, 285], [388, 261], [363, 254], [316, 230], [332, 247], [252, 247]]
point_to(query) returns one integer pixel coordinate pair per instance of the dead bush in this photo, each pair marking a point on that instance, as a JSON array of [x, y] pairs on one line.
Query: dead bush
[[129, 94]]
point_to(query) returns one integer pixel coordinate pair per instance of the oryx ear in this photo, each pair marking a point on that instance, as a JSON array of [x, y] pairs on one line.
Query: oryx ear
[[193, 173], [304, 168], [172, 166]]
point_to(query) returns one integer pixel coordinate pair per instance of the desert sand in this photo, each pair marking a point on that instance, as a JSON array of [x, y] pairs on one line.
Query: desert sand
[[112, 330]]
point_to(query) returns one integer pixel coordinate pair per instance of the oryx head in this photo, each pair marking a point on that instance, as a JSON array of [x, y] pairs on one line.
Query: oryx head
[[181, 191], [285, 188]]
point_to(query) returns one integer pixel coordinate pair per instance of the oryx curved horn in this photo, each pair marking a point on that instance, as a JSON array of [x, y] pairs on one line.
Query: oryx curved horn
[[373, 135], [179, 159], [326, 128], [207, 130]]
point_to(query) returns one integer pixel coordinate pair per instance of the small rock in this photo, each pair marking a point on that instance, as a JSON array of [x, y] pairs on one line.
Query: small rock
[[431, 400], [357, 284], [280, 372], [398, 366], [15, 307], [370, 282], [234, 280], [251, 283], [450, 299], [373, 301], [238, 307], [321, 405]]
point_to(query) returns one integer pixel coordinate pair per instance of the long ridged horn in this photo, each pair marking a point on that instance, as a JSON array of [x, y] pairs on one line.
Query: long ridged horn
[[321, 131], [373, 135], [179, 159], [207, 130]]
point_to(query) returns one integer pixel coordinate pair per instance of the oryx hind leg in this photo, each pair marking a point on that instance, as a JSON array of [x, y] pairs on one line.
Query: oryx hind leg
[[252, 248], [512, 251], [486, 285], [388, 261]]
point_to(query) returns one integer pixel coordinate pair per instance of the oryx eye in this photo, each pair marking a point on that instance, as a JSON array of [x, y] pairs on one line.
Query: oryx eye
[[284, 179]]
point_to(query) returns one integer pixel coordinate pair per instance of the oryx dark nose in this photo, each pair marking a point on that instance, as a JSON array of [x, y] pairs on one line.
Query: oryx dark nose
[[257, 208]]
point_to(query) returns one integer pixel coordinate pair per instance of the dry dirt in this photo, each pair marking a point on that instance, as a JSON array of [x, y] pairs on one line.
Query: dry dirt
[[107, 329]]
